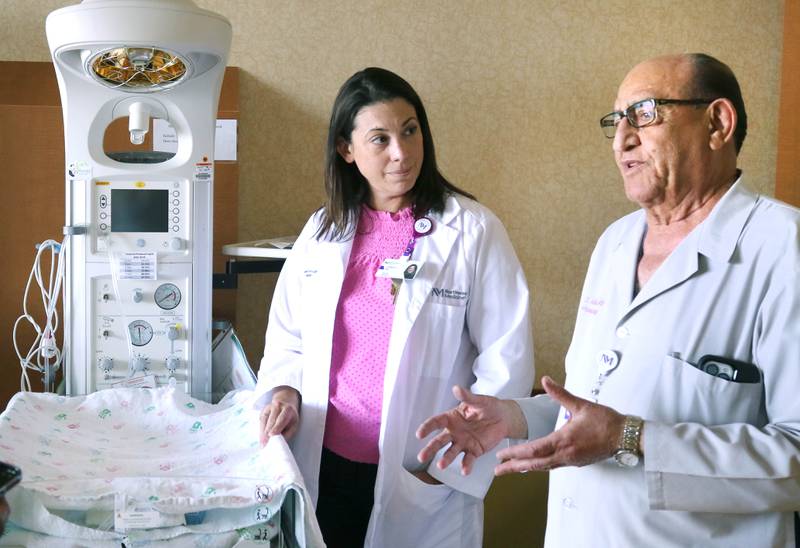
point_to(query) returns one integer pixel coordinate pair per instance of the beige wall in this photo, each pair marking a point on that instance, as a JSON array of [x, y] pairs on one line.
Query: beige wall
[[513, 89]]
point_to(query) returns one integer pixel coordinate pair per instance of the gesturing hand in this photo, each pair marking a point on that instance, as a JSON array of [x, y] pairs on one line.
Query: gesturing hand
[[591, 434], [473, 427], [281, 415]]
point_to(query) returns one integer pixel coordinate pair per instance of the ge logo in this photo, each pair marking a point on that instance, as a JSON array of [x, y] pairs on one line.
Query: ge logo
[[263, 493]]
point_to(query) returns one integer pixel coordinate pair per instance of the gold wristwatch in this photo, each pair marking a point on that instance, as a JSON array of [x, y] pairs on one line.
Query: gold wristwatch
[[627, 453]]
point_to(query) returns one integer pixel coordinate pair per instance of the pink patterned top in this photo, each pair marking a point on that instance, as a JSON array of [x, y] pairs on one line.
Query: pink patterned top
[[361, 336]]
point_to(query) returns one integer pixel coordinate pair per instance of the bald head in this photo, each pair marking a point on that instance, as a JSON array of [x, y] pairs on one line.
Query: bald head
[[668, 76], [693, 75]]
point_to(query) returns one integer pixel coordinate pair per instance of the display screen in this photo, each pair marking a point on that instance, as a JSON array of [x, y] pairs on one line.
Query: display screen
[[139, 210]]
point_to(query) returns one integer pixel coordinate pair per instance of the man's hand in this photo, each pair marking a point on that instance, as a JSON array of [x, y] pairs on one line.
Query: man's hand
[[473, 427], [591, 435], [281, 415]]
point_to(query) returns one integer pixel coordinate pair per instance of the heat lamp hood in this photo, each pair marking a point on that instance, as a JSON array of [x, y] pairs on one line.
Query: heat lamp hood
[[115, 42]]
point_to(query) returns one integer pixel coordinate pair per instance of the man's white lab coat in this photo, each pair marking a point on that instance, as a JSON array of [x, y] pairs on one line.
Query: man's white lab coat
[[722, 459], [463, 320]]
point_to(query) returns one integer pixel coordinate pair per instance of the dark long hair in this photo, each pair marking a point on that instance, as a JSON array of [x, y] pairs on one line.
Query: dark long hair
[[345, 186]]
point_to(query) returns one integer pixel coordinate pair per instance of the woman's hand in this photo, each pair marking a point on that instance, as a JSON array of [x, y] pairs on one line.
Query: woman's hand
[[473, 427], [281, 415]]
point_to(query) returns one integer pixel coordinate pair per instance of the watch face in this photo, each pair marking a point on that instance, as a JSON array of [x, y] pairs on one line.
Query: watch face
[[627, 458]]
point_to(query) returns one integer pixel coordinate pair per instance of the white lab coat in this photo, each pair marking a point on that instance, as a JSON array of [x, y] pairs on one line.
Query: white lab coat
[[722, 459], [463, 320]]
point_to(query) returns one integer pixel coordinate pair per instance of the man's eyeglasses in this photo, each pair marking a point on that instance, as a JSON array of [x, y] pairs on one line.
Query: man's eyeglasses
[[642, 113]]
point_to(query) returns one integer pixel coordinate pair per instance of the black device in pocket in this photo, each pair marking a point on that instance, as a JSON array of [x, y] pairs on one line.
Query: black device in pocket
[[729, 369], [10, 475]]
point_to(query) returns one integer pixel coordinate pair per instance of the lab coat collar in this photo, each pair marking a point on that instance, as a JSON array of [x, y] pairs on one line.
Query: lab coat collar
[[451, 209], [721, 231], [716, 238]]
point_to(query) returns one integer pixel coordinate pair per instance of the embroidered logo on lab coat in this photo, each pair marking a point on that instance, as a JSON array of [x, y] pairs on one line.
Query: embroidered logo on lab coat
[[592, 305], [452, 297]]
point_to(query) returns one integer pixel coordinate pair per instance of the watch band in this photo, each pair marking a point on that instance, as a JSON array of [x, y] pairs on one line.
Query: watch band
[[627, 453]]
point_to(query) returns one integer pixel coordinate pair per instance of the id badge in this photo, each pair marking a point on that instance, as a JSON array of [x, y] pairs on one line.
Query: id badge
[[399, 269]]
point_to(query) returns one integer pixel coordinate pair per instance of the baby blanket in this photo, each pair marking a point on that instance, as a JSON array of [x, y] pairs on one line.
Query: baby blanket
[[139, 466]]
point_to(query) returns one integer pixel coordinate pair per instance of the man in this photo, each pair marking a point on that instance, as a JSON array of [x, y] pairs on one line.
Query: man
[[679, 422]]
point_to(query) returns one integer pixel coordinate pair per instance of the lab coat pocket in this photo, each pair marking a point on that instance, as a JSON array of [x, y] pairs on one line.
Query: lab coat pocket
[[438, 337], [424, 515], [684, 393]]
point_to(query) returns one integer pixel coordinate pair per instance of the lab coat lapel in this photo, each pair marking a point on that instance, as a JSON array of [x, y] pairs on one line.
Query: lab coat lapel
[[714, 238], [625, 259], [681, 264], [434, 251], [335, 256]]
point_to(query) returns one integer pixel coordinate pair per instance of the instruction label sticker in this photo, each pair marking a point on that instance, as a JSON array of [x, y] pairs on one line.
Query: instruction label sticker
[[138, 266], [147, 381], [136, 519], [79, 170], [130, 514], [203, 172]]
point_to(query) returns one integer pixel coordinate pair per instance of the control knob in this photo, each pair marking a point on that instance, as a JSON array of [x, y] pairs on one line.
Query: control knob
[[139, 363], [173, 332], [173, 363], [105, 364]]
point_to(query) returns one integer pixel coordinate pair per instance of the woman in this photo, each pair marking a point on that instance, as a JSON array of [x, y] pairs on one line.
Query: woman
[[357, 356]]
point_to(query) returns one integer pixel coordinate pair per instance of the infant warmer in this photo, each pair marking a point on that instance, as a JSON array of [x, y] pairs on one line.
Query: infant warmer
[[137, 304]]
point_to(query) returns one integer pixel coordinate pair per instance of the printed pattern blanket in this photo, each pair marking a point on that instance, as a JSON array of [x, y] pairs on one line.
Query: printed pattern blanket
[[135, 465]]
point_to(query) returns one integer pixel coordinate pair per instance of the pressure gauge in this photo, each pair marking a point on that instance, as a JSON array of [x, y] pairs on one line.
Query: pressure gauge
[[141, 332], [168, 296]]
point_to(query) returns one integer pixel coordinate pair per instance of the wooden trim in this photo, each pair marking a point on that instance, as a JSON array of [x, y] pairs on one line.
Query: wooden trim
[[787, 183]]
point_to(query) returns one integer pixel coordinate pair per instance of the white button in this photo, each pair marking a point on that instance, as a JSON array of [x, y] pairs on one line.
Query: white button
[[566, 502], [623, 332]]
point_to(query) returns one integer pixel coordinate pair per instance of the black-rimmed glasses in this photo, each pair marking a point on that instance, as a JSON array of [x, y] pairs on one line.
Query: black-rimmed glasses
[[642, 113]]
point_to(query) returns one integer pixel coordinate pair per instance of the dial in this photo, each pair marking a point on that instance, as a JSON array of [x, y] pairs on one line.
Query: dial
[[141, 332], [168, 296]]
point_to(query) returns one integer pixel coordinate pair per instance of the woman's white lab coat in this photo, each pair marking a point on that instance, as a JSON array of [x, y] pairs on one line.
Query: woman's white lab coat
[[463, 320]]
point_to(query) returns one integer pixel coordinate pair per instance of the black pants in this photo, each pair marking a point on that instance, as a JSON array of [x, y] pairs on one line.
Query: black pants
[[346, 496], [797, 529]]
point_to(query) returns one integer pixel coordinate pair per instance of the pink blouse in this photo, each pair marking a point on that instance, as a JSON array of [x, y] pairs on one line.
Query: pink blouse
[[361, 336]]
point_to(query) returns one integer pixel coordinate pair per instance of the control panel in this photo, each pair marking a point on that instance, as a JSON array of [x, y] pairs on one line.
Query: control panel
[[139, 293], [141, 215], [141, 330]]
